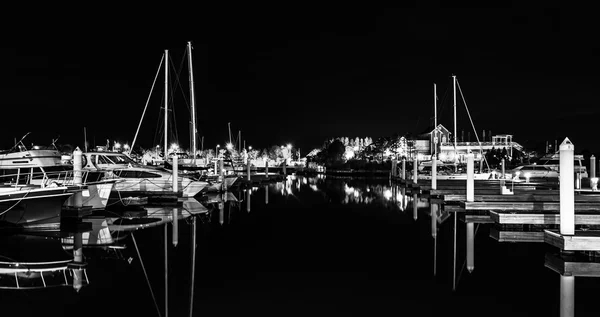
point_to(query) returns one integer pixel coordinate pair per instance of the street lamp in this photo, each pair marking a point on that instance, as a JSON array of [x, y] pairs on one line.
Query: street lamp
[[229, 146], [126, 146], [217, 150], [250, 147], [117, 146], [289, 146]]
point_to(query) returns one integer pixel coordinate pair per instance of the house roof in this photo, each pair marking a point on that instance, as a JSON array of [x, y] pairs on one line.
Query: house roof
[[430, 129]]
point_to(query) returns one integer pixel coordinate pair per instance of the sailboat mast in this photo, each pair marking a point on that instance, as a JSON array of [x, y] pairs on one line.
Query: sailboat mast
[[455, 135], [435, 137], [229, 128], [192, 99], [166, 100]]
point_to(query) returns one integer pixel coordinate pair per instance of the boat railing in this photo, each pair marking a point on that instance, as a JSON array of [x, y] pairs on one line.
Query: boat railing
[[47, 179]]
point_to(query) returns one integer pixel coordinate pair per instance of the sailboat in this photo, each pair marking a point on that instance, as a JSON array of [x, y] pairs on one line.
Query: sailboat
[[456, 174]]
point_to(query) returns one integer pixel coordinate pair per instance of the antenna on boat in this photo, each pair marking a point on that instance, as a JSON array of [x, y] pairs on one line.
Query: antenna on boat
[[54, 142], [20, 141]]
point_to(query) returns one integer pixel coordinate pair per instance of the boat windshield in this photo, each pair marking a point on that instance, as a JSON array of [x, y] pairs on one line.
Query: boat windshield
[[121, 159]]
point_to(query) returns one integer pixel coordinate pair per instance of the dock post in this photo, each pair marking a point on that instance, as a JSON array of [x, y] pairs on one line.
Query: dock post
[[434, 173], [175, 173], [248, 170], [592, 177], [415, 164], [77, 176], [567, 295], [393, 172], [221, 170], [470, 246], [567, 193], [175, 232], [404, 168], [470, 177], [266, 168], [481, 165], [216, 170], [248, 199], [578, 180], [284, 173]]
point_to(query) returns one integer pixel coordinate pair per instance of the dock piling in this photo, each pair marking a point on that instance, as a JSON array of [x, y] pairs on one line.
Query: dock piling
[[175, 233], [415, 206], [77, 176], [175, 173], [434, 173], [470, 177], [266, 168], [248, 195], [567, 295], [415, 165], [567, 193]]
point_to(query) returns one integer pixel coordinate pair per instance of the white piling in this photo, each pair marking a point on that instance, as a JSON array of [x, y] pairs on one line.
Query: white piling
[[284, 163], [592, 166], [266, 169], [221, 170], [175, 232], [470, 246], [175, 174], [404, 168], [248, 170], [216, 170], [77, 176], [567, 193], [434, 173], [470, 178], [567, 296], [415, 166]]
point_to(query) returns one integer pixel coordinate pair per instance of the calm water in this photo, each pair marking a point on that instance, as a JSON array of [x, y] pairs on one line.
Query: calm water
[[309, 246]]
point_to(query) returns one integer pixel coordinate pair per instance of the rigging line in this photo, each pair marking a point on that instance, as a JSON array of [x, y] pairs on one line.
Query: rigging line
[[472, 125], [146, 274], [178, 83], [147, 101]]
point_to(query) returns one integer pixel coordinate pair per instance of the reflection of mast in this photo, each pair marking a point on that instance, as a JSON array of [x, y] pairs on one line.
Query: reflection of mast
[[433, 208], [193, 268], [454, 265], [166, 272]]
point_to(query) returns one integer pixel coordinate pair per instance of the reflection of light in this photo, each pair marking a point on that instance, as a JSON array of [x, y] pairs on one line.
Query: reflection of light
[[387, 194], [348, 190], [314, 187], [356, 194], [304, 181]]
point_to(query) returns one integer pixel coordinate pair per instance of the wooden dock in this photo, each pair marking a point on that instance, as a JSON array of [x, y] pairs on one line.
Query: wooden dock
[[588, 240], [528, 218], [572, 265], [526, 205], [516, 235]]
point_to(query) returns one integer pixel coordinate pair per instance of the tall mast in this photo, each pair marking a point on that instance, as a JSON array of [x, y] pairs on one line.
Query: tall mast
[[454, 89], [436, 139], [192, 100], [229, 128], [166, 100]]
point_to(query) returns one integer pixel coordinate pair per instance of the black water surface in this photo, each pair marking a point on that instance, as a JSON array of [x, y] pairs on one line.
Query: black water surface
[[319, 247]]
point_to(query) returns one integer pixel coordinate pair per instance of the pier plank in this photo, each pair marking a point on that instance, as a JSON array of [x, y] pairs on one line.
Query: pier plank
[[526, 205], [541, 218], [517, 236]]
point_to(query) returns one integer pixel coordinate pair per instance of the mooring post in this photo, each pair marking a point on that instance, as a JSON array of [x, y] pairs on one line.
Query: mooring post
[[284, 163], [470, 178], [266, 168], [404, 168], [567, 295], [434, 173], [415, 164], [175, 173], [216, 170], [221, 170], [470, 246], [77, 176], [593, 179], [567, 193], [248, 170]]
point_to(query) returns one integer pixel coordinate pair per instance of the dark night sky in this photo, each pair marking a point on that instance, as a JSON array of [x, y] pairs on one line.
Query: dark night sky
[[302, 74]]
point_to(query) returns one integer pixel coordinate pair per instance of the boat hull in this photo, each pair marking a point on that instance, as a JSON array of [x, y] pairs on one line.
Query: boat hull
[[37, 208]]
